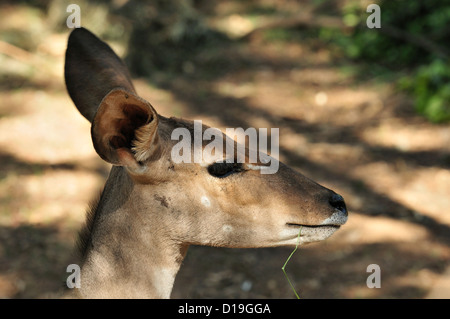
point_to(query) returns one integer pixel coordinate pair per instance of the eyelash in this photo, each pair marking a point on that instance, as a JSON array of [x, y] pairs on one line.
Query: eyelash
[[224, 169]]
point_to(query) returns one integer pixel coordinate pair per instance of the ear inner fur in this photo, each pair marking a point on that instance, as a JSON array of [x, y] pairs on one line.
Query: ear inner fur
[[146, 141], [124, 129]]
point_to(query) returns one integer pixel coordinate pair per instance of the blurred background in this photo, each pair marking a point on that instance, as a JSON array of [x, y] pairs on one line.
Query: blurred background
[[362, 111]]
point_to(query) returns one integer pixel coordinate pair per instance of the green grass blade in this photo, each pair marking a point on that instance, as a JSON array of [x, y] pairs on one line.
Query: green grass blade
[[284, 266]]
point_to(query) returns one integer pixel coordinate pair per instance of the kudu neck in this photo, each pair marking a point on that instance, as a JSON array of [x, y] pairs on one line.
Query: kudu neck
[[127, 256]]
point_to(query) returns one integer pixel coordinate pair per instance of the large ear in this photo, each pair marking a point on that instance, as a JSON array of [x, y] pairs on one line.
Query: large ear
[[125, 130], [92, 70]]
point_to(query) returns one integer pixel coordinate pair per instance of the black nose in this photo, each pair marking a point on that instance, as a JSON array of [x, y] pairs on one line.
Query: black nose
[[337, 201]]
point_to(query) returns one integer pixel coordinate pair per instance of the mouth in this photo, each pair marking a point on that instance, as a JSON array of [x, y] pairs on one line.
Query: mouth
[[303, 234], [297, 233], [313, 226]]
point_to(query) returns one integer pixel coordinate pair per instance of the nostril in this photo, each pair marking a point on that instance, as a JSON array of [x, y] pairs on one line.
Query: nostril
[[337, 201]]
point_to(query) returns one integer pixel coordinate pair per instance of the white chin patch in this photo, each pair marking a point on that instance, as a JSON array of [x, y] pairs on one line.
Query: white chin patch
[[337, 218], [307, 234], [312, 234]]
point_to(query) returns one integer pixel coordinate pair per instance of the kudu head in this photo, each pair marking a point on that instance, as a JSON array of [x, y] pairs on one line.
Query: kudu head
[[152, 207]]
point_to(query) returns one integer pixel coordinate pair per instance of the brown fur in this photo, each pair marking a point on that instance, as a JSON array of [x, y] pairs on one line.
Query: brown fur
[[151, 208], [84, 235]]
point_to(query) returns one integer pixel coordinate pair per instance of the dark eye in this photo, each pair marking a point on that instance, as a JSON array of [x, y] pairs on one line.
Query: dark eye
[[224, 169]]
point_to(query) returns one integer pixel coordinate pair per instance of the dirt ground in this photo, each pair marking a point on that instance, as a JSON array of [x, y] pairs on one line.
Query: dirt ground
[[360, 138]]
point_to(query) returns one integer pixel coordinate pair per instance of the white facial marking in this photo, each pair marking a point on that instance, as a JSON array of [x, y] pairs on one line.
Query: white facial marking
[[337, 218], [227, 228], [205, 201]]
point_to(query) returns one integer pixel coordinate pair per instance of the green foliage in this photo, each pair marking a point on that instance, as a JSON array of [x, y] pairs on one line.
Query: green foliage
[[427, 19], [430, 87], [428, 71]]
